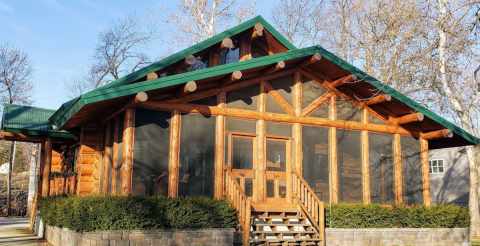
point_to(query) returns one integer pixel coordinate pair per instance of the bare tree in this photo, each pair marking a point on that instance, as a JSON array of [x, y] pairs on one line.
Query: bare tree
[[119, 51], [15, 87], [197, 20]]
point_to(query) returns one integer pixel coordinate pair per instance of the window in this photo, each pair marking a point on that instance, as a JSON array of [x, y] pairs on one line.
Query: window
[[436, 166], [229, 55]]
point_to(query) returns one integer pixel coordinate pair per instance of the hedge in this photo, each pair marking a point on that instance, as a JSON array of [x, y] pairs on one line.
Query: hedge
[[376, 216], [130, 213]]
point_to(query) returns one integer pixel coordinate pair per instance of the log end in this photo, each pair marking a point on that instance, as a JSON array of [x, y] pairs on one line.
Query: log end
[[141, 97], [190, 86], [236, 75]]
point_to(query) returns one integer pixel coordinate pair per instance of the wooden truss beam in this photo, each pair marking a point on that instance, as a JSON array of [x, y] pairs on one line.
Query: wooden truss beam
[[316, 103], [343, 80], [282, 102], [254, 115]]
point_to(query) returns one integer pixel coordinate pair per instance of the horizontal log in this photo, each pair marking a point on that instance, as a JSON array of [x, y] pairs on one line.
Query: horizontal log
[[141, 97], [227, 43], [255, 115], [343, 80], [444, 133], [379, 99], [257, 30], [190, 60], [190, 87], [152, 76], [408, 118], [236, 75]]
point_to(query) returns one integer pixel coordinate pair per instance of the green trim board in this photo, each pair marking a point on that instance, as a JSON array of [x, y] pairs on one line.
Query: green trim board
[[110, 93], [31, 121]]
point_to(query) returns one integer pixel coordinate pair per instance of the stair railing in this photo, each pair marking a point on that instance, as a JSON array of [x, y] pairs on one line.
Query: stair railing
[[309, 203], [236, 196]]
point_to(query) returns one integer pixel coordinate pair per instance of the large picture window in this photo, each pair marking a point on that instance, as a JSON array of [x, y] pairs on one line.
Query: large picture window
[[315, 160], [349, 166], [412, 171], [151, 148], [197, 153]]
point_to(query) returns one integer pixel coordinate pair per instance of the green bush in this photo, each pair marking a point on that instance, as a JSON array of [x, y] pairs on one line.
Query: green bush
[[376, 216], [127, 213]]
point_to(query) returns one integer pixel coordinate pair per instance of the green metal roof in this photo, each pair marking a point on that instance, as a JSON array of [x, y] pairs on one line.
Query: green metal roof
[[31, 121], [202, 46], [122, 87]]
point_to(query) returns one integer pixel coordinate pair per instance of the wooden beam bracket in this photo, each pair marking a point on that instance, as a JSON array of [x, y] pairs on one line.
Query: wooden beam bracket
[[444, 133]]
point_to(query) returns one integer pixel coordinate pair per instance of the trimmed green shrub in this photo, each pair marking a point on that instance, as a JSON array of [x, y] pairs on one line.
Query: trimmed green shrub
[[376, 216], [128, 213]]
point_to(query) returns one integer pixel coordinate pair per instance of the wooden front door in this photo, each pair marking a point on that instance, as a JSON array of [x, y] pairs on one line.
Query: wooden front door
[[241, 158], [278, 152]]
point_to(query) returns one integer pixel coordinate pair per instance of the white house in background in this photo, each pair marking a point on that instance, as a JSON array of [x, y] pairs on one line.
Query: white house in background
[[449, 176], [4, 168]]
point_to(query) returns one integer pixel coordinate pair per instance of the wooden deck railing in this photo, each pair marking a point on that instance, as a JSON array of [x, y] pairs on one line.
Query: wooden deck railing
[[309, 203], [241, 203]]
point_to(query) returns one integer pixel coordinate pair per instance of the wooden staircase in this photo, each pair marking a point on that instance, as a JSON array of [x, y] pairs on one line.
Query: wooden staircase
[[282, 228], [299, 223]]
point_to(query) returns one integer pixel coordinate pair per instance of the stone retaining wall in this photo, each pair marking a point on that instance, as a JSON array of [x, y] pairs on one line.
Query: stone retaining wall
[[397, 237], [61, 236]]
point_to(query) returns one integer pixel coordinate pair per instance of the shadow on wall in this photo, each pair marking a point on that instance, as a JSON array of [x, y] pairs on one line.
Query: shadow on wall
[[453, 185]]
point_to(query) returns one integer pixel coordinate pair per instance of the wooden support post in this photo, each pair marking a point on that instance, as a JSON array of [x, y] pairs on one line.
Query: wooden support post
[[173, 160], [107, 157], [127, 151], [260, 162], [398, 171], [47, 163], [220, 148], [296, 132], [115, 164], [425, 172], [365, 160], [332, 152]]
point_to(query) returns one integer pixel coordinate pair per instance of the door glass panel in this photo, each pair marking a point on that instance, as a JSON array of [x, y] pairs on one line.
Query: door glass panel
[[248, 187], [270, 188], [276, 155], [282, 188], [242, 152]]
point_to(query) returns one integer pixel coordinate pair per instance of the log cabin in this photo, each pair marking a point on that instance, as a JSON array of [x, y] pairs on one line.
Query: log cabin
[[245, 116]]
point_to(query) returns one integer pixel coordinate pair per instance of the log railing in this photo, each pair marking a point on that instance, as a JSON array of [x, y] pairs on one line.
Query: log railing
[[309, 203], [236, 196]]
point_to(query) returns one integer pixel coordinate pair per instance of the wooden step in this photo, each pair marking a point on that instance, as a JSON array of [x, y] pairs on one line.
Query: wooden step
[[285, 232]]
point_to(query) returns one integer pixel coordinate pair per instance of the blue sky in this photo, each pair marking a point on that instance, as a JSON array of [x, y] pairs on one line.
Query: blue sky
[[60, 36]]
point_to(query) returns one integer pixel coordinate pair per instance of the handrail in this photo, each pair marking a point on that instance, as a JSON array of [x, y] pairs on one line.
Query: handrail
[[309, 203], [241, 203]]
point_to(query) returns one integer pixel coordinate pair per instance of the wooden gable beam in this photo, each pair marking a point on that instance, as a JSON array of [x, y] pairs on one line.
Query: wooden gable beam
[[444, 133], [257, 30], [316, 103], [408, 118], [282, 102], [343, 80], [378, 99]]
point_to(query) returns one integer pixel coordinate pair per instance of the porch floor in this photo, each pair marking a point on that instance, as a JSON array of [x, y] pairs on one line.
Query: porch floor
[[15, 231]]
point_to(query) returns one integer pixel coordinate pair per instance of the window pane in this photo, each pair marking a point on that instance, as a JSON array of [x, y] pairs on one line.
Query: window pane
[[373, 119], [229, 55], [151, 148], [347, 111], [412, 170], [245, 98], [349, 166], [240, 125], [381, 168], [311, 91], [278, 129], [276, 155], [315, 160], [248, 187], [282, 189], [197, 147], [242, 156]]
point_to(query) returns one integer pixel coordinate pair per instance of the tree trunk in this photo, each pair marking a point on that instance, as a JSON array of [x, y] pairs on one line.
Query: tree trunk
[[472, 153], [9, 178]]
